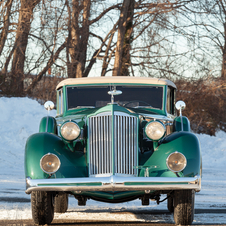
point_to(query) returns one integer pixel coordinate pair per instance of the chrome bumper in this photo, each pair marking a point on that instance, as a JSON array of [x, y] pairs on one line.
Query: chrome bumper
[[114, 183]]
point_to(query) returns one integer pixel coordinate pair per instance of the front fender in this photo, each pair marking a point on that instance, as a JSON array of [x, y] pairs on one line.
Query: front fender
[[48, 124], [177, 124], [39, 144], [183, 142]]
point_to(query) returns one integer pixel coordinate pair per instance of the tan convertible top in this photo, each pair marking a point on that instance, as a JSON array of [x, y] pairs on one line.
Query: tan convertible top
[[115, 80]]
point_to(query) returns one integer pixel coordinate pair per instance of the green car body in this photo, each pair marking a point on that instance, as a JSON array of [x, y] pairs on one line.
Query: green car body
[[112, 158]]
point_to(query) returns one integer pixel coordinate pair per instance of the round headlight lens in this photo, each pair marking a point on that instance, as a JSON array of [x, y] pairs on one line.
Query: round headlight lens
[[50, 163], [176, 162], [70, 131], [155, 130]]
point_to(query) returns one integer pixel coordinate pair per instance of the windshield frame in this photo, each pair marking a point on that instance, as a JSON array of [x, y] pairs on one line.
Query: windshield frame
[[110, 88]]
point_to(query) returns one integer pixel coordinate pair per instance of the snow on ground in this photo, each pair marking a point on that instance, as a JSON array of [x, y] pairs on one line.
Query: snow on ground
[[20, 117]]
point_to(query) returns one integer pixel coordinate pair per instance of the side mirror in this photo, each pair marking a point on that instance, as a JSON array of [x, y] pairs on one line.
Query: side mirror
[[180, 105], [49, 105]]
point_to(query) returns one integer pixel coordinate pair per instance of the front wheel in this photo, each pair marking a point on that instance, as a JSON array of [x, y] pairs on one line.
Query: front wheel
[[61, 203], [42, 207], [184, 202]]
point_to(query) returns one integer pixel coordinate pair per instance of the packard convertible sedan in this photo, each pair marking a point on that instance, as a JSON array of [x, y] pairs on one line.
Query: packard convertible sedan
[[114, 139]]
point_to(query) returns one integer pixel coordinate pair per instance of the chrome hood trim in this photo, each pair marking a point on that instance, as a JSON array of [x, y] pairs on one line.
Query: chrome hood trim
[[159, 117], [114, 183]]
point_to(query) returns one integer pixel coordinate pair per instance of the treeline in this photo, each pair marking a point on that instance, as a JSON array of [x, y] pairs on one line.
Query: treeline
[[205, 103], [48, 40]]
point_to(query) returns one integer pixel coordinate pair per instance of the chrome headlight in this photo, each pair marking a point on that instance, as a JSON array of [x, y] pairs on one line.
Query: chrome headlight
[[70, 131], [50, 163], [155, 130], [176, 162]]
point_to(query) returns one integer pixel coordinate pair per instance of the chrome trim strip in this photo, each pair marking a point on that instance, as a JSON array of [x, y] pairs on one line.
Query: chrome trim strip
[[114, 183], [47, 122]]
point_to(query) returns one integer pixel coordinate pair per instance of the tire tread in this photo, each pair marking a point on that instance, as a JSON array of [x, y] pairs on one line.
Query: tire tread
[[184, 207], [61, 203], [42, 207]]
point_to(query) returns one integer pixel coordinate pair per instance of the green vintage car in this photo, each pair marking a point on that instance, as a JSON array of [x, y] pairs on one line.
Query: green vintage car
[[114, 139]]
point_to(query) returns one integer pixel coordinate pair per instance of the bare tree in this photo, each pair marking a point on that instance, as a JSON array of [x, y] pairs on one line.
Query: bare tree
[[5, 14], [145, 44], [203, 25], [20, 44], [125, 28], [78, 36], [79, 32]]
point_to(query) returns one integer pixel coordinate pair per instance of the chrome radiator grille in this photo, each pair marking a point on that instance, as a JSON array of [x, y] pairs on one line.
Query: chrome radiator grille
[[113, 144]]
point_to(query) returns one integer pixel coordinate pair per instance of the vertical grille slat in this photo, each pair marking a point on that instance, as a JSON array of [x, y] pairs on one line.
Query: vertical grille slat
[[132, 138], [103, 160], [96, 156], [129, 126], [119, 144], [105, 145]]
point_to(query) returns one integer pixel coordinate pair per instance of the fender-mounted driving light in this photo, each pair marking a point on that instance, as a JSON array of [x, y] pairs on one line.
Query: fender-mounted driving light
[[50, 163], [155, 130], [70, 131], [176, 162]]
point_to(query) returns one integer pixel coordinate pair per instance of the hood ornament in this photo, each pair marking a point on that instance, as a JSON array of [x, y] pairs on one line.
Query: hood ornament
[[113, 93]]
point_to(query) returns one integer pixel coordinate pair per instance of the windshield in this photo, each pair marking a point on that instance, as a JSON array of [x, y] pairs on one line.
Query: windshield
[[132, 96]]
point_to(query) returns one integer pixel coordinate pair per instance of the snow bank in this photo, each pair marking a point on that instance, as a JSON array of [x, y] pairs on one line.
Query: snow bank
[[213, 150], [20, 117]]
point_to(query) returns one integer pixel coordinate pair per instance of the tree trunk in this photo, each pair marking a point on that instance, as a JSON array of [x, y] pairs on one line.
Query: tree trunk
[[84, 35], [126, 59], [23, 29], [122, 56], [73, 38], [223, 70], [6, 23], [78, 38]]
